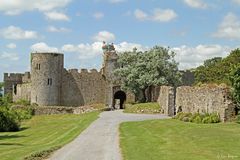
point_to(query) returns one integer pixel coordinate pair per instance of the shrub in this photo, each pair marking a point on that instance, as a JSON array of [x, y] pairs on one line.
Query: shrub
[[215, 118], [186, 119], [207, 119], [22, 102], [197, 119], [8, 120]]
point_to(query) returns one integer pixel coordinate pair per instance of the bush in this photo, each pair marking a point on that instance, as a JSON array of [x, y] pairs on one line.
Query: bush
[[198, 118], [207, 120], [22, 102], [215, 118], [8, 120], [23, 112]]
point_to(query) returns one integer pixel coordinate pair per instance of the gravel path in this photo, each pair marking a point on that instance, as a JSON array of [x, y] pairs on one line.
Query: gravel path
[[100, 141]]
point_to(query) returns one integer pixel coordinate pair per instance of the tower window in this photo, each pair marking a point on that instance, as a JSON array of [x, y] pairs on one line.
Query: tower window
[[15, 89], [38, 66], [49, 81]]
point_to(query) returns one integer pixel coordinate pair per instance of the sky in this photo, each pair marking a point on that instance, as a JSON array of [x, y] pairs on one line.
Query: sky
[[195, 30]]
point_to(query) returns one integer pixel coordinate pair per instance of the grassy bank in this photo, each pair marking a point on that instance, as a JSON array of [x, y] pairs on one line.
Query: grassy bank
[[43, 133], [148, 108], [175, 140]]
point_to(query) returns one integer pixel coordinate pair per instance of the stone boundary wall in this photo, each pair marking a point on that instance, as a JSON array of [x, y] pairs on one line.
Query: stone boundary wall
[[207, 99], [166, 100], [49, 110]]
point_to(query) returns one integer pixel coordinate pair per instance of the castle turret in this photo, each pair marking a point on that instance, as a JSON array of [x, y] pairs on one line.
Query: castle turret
[[110, 61], [46, 77]]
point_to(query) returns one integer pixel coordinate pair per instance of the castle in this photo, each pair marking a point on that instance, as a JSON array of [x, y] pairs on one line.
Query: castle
[[50, 84]]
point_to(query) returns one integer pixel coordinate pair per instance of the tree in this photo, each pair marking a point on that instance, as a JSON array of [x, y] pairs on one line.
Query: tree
[[217, 70], [235, 81], [140, 70]]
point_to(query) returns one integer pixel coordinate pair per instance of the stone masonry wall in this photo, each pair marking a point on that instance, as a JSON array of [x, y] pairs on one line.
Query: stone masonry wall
[[23, 92], [166, 100], [86, 87], [10, 82], [205, 100]]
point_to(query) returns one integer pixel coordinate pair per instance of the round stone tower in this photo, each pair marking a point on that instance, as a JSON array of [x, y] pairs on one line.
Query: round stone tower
[[46, 78]]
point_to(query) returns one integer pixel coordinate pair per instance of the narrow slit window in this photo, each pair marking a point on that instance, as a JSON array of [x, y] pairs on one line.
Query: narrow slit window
[[38, 66], [49, 81]]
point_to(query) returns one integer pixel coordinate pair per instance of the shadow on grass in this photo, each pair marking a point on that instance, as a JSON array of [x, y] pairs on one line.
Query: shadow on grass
[[11, 144], [4, 137], [23, 128]]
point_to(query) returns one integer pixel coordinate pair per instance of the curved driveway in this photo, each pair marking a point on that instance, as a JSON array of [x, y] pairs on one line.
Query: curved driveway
[[100, 141]]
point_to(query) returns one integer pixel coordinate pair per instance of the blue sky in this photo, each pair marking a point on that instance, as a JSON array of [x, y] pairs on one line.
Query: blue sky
[[195, 29]]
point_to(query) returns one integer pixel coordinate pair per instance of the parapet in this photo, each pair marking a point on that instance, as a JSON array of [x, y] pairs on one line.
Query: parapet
[[26, 77], [13, 76]]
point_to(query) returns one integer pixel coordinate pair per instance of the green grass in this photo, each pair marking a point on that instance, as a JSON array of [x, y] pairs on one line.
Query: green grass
[[149, 108], [43, 133], [176, 140]]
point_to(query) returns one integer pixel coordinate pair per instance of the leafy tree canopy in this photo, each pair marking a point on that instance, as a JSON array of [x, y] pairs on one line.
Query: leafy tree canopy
[[140, 70], [217, 70]]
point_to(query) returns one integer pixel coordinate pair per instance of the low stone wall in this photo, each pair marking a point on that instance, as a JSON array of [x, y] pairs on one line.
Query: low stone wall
[[48, 110], [166, 100], [207, 99]]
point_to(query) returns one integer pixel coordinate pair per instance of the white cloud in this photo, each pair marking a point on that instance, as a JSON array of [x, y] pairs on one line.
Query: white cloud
[[88, 51], [104, 36], [236, 1], [57, 16], [15, 7], [140, 15], [43, 47], [196, 4], [56, 29], [229, 27], [190, 57], [84, 51], [163, 15], [98, 15], [11, 45], [13, 32], [157, 15], [125, 46], [9, 56]]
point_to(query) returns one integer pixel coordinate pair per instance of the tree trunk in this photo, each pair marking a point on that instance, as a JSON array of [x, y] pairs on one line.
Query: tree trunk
[[148, 92]]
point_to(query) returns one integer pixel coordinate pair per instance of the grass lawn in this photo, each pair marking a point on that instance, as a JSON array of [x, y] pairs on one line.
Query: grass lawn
[[148, 108], [176, 140], [43, 133]]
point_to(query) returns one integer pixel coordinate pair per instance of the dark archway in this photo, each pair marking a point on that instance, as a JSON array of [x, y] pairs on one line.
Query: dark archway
[[121, 96]]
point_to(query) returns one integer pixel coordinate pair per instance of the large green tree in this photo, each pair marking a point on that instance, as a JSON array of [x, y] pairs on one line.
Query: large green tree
[[234, 77], [217, 70], [140, 70]]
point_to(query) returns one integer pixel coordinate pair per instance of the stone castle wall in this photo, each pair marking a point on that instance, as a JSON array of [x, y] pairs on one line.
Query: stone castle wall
[[82, 88], [166, 100], [23, 92], [206, 99], [10, 82]]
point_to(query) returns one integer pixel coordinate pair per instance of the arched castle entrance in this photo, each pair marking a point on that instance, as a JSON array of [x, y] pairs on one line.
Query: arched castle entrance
[[119, 99]]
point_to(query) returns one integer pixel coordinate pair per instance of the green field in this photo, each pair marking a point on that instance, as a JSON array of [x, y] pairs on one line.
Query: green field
[[176, 140], [147, 108], [43, 133]]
